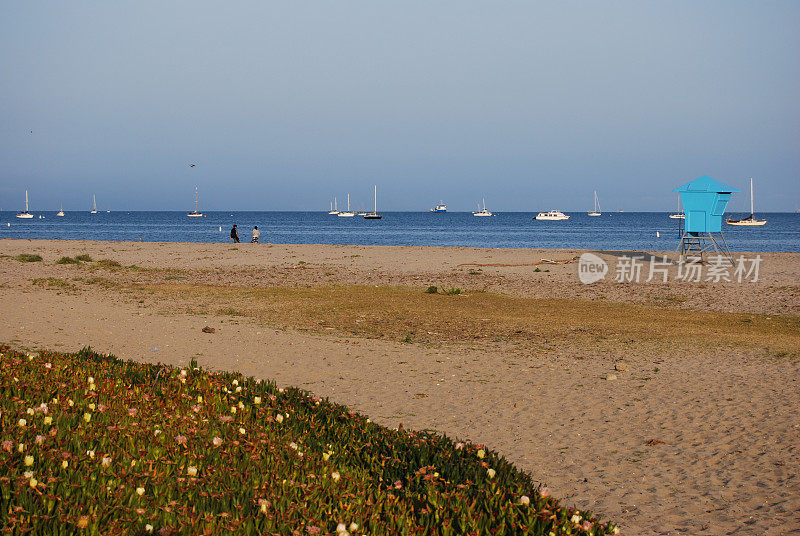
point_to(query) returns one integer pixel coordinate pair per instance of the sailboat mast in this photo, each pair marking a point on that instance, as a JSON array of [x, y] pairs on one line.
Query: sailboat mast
[[195, 198], [751, 197], [348, 202], [376, 199], [26, 200]]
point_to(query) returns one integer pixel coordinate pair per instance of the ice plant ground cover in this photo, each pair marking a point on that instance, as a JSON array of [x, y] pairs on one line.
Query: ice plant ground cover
[[94, 445]]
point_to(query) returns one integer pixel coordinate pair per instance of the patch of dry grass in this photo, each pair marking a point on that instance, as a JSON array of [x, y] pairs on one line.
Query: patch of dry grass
[[395, 312]]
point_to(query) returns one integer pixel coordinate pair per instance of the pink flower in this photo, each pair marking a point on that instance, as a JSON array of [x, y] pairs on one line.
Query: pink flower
[[398, 485], [8, 445], [313, 529], [48, 365], [587, 525], [132, 412], [102, 407], [40, 439], [544, 492], [180, 439], [226, 418], [196, 408], [217, 441]]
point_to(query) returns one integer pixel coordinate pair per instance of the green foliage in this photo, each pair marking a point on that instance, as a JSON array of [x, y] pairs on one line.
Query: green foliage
[[108, 263], [452, 291], [67, 260], [433, 289], [83, 257], [115, 446], [28, 257]]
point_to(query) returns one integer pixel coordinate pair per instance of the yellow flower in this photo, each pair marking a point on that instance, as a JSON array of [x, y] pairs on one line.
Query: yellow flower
[[64, 464], [30, 411], [481, 453], [200, 399], [233, 409], [491, 472], [92, 406], [48, 419], [191, 471], [257, 400], [279, 417], [21, 447], [33, 482], [133, 463], [87, 417], [106, 461], [22, 423], [525, 500], [140, 491], [28, 461], [353, 527], [90, 379], [90, 453], [242, 431], [148, 528], [241, 405], [70, 402], [326, 456], [336, 476], [238, 389]]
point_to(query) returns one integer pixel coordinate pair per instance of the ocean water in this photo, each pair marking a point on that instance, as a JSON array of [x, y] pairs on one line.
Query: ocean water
[[612, 230]]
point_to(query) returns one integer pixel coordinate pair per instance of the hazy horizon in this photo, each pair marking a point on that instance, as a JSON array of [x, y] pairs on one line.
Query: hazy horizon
[[284, 106]]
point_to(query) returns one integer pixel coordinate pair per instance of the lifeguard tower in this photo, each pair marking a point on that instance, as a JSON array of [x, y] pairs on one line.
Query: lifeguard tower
[[704, 201]]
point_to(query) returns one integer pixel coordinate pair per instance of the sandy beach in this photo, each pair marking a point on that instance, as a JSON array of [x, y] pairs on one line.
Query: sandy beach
[[670, 407]]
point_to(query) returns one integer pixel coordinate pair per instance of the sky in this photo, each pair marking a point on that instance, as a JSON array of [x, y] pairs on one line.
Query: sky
[[284, 105]]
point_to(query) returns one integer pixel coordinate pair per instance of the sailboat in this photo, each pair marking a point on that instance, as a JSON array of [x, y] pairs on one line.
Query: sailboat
[[749, 221], [25, 215], [483, 212], [678, 215], [347, 213], [374, 214], [334, 207], [61, 212], [196, 213], [94, 205], [596, 206]]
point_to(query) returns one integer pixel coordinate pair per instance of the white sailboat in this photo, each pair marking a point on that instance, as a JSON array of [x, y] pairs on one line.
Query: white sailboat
[[25, 215], [374, 214], [334, 207], [196, 213], [483, 212], [94, 205], [61, 212], [596, 206], [749, 221], [347, 213], [678, 215]]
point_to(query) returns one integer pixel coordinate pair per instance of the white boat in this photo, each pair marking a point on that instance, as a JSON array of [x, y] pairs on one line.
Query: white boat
[[441, 207], [196, 213], [94, 205], [374, 214], [596, 206], [347, 213], [25, 215], [483, 212], [334, 210], [61, 212], [551, 215], [749, 221], [679, 216]]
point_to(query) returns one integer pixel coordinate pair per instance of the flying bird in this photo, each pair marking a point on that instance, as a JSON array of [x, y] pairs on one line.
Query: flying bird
[[191, 165]]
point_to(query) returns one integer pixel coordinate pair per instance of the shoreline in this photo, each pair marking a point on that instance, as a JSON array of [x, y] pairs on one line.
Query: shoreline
[[544, 397]]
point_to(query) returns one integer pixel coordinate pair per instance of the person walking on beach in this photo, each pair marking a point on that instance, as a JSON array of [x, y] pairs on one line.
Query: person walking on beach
[[256, 234], [235, 234]]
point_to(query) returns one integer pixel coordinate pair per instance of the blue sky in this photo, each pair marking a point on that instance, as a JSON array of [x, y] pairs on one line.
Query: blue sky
[[282, 105]]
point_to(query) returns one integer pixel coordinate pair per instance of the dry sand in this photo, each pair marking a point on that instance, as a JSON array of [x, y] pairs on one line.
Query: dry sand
[[704, 441]]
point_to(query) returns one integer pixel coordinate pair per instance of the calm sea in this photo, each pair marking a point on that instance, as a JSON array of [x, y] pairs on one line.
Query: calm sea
[[612, 230]]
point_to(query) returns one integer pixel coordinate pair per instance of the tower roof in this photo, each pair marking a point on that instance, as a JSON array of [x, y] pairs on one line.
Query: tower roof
[[706, 184]]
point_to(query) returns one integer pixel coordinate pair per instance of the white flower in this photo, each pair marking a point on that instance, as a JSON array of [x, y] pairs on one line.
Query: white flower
[[87, 417], [280, 390], [48, 365], [140, 491], [341, 528], [90, 453], [33, 482], [238, 389], [30, 411], [156, 431], [278, 418], [293, 445], [616, 530], [90, 379], [525, 500], [575, 518], [92, 406], [491, 472], [70, 402], [183, 372], [64, 464], [336, 476], [242, 431], [241, 405], [233, 409], [257, 400], [191, 470], [353, 527], [217, 441], [148, 528], [43, 407], [21, 447], [235, 382], [28, 474], [28, 461], [21, 423], [106, 461]]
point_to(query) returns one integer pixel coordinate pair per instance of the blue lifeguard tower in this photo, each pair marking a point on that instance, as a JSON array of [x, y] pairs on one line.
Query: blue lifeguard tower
[[704, 201]]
